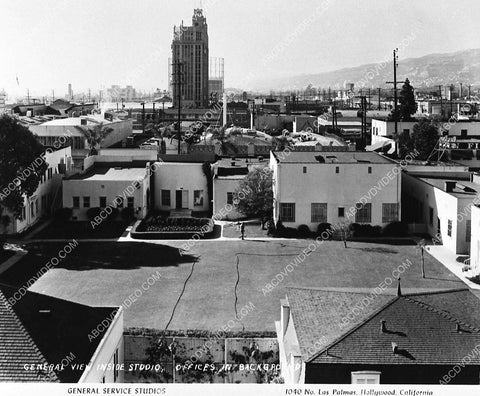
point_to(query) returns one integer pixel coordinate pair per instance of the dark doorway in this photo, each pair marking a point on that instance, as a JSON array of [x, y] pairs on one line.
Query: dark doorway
[[178, 199]]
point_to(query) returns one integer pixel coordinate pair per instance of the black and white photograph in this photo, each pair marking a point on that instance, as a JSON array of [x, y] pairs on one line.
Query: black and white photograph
[[206, 197]]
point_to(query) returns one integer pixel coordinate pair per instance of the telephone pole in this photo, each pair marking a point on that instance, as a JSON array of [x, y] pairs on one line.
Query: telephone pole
[[394, 82], [178, 73]]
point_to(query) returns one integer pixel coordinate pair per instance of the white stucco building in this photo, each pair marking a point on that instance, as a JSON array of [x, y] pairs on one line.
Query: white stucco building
[[475, 241], [440, 205], [48, 195], [180, 185], [324, 187], [108, 183]]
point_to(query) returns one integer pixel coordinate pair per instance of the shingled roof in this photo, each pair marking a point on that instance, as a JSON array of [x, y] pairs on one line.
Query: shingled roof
[[434, 327], [39, 329]]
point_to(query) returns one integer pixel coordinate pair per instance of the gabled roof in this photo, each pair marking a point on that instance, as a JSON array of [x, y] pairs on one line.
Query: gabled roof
[[17, 348], [434, 327], [40, 329]]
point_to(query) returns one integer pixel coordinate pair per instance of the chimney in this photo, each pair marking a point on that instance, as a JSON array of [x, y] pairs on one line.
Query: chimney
[[394, 347], [450, 185], [284, 315], [457, 328], [399, 288], [383, 327]]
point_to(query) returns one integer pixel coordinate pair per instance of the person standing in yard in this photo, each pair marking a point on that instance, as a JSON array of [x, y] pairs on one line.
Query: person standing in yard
[[242, 230]]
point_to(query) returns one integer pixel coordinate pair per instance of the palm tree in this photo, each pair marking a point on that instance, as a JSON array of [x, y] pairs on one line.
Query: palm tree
[[95, 135]]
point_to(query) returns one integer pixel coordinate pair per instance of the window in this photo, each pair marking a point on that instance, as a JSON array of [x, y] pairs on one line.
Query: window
[[439, 230], [430, 216], [406, 130], [464, 133], [198, 198], [130, 202], [36, 206], [389, 212], [337, 169], [468, 231], [86, 202], [369, 169], [287, 212], [449, 228], [366, 377], [76, 202], [103, 202], [166, 198], [363, 213], [319, 213], [50, 172], [24, 213], [32, 210], [229, 198], [304, 169], [341, 212]]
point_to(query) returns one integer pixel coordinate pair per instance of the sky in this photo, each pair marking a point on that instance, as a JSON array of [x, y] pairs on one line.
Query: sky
[[96, 43]]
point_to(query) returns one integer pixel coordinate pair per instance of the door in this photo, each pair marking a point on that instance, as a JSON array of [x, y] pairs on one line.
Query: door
[[178, 199], [184, 199]]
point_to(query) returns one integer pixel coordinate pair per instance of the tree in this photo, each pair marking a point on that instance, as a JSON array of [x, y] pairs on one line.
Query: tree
[[424, 137], [405, 143], [94, 135], [254, 195], [408, 106], [22, 164]]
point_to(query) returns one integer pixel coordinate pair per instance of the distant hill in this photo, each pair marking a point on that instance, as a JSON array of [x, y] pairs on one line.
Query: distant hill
[[426, 71]]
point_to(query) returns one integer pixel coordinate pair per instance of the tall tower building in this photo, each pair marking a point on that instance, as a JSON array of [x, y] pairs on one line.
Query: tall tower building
[[189, 70]]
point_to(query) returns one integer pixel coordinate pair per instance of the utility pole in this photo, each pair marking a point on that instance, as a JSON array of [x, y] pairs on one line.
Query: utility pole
[[395, 90], [143, 116], [394, 82], [379, 92], [469, 87], [178, 82], [441, 101], [461, 91]]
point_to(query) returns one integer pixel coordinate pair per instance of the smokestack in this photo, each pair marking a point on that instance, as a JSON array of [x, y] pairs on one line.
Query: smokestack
[[383, 327], [224, 109]]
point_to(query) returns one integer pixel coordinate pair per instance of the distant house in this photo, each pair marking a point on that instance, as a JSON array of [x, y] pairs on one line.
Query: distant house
[[69, 132], [46, 339], [31, 109], [312, 187], [412, 338], [59, 107]]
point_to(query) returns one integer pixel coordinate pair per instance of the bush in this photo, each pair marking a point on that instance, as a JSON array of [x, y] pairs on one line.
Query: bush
[[365, 230], [285, 232], [63, 214], [322, 227], [93, 212], [113, 214], [395, 229], [303, 231], [128, 214]]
